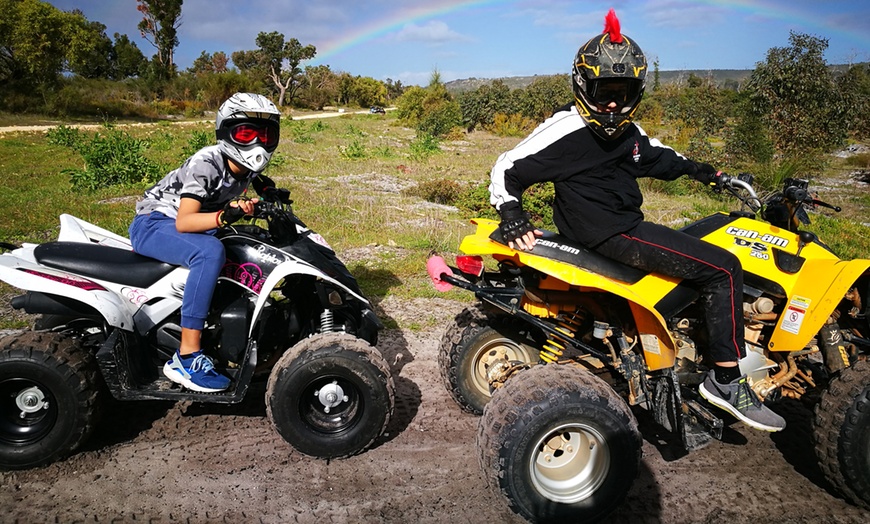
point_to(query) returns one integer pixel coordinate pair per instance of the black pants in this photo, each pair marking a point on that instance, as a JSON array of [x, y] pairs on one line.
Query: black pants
[[715, 273]]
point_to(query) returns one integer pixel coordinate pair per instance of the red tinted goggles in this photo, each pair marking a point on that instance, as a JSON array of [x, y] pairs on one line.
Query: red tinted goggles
[[244, 134]]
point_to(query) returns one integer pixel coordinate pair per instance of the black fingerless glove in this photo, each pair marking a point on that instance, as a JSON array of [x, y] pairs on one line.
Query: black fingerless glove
[[514, 222], [231, 214]]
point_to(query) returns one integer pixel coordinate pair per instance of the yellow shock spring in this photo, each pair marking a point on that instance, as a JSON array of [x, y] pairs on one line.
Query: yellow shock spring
[[554, 347]]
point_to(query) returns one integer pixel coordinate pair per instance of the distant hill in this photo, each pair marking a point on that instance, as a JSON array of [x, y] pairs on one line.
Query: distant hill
[[732, 78], [722, 77]]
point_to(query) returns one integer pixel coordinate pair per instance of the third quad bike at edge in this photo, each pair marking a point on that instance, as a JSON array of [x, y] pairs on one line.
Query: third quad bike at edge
[[108, 319], [562, 342]]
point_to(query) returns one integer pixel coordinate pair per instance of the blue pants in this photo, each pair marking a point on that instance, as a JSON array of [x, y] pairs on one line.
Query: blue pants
[[154, 235]]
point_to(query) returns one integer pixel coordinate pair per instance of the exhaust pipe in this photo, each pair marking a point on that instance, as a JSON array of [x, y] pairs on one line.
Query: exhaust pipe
[[34, 302]]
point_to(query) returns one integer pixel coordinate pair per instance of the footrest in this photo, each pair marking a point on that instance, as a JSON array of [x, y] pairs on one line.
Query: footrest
[[699, 425]]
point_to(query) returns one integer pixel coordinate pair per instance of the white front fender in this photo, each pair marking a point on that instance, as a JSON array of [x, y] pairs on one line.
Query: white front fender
[[293, 267]]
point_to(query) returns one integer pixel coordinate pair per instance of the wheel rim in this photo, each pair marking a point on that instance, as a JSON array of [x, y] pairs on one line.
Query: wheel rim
[[331, 404], [496, 349], [28, 411], [569, 463]]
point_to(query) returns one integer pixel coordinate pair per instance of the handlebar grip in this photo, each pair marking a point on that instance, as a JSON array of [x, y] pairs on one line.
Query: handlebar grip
[[796, 194]]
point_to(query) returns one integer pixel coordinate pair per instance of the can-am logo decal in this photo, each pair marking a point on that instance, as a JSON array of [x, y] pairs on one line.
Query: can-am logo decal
[[755, 235], [560, 247]]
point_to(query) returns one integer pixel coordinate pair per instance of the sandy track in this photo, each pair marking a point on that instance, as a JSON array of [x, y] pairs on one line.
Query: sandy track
[[163, 462]]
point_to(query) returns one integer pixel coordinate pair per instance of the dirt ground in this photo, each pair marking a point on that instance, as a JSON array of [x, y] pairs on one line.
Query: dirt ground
[[163, 462]]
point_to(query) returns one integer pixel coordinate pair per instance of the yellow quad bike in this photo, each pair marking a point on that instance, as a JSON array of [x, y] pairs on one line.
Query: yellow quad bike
[[562, 341]]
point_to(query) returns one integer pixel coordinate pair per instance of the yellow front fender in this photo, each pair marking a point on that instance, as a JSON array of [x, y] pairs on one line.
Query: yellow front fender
[[820, 287]]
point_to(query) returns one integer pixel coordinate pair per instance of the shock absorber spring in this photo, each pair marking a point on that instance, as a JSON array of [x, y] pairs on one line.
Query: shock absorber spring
[[566, 328], [327, 321]]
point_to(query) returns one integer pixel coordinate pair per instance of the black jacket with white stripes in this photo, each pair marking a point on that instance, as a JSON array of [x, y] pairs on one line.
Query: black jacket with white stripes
[[597, 195]]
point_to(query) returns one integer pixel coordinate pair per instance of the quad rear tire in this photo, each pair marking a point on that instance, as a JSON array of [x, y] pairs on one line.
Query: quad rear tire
[[842, 433], [470, 345], [559, 444], [330, 396], [48, 398]]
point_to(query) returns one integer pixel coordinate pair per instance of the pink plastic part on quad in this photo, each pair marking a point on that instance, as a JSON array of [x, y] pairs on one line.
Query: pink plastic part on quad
[[436, 266]]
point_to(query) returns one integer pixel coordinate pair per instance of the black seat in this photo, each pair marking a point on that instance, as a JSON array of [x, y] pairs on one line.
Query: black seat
[[557, 247], [102, 262]]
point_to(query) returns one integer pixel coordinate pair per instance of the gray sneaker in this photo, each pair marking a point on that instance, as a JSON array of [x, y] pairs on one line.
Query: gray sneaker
[[738, 399]]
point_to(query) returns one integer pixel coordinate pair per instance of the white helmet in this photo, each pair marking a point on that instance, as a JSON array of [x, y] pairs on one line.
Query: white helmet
[[247, 129]]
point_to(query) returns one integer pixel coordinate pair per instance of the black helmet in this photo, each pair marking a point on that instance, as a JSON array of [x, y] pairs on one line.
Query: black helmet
[[608, 68]]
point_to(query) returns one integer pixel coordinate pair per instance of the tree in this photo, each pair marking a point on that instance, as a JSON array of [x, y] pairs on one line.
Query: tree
[[209, 63], [854, 85], [795, 93], [127, 60], [394, 89], [159, 26], [321, 86], [39, 41], [34, 39], [432, 110], [278, 62], [90, 49], [367, 91], [546, 94], [480, 106], [277, 52], [249, 62]]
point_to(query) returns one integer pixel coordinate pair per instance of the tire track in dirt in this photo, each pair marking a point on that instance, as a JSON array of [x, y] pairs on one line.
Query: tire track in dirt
[[166, 462]]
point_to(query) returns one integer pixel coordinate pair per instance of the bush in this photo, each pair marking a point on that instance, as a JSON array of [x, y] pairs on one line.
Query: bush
[[424, 146], [197, 141], [113, 158], [64, 136], [355, 150], [537, 201], [441, 119], [514, 125], [442, 191], [861, 160], [474, 202]]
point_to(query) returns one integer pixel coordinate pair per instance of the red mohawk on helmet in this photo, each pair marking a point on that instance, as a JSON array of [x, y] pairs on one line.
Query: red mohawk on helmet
[[611, 25]]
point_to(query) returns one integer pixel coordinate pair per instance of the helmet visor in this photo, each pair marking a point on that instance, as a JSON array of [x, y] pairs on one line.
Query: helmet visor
[[245, 134], [622, 91]]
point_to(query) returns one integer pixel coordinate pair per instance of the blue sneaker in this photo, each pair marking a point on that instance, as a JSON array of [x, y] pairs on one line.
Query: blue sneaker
[[195, 371]]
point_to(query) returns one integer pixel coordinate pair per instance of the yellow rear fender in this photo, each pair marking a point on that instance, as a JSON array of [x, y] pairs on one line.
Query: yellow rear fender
[[640, 289]]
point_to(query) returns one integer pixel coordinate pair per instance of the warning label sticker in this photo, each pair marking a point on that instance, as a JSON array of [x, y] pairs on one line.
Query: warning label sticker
[[794, 314]]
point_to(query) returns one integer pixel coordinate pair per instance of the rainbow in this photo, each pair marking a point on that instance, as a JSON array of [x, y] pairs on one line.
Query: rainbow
[[397, 20], [780, 11]]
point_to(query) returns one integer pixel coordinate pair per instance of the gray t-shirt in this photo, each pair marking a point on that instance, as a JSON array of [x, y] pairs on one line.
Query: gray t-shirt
[[205, 176]]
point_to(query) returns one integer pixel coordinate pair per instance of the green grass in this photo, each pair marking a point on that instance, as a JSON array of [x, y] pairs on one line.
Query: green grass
[[363, 203]]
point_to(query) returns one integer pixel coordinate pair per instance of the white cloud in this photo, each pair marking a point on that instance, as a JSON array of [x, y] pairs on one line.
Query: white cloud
[[433, 31], [675, 13]]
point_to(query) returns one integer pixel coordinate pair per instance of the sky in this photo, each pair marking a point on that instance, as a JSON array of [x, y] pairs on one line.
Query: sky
[[408, 40]]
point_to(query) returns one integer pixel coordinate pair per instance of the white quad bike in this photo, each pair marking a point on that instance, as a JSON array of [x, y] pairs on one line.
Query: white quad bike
[[284, 305]]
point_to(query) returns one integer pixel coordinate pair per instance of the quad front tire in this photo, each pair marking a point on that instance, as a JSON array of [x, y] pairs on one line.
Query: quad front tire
[[48, 398], [559, 444], [330, 396], [472, 343], [842, 433]]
